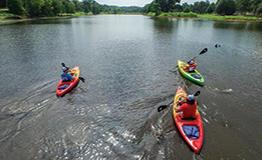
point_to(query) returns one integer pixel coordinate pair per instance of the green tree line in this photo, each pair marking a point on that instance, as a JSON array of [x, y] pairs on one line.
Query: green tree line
[[40, 8], [221, 7], [117, 9], [2, 3]]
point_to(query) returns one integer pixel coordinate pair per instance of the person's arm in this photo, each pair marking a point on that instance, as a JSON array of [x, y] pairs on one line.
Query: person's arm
[[186, 68], [67, 68]]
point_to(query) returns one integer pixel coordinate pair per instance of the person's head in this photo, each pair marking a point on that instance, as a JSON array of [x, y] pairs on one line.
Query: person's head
[[65, 69], [191, 99], [191, 62]]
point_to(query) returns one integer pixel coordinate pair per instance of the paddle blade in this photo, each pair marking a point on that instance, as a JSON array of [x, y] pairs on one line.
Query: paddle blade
[[203, 51], [197, 93], [82, 79], [63, 65], [161, 108]]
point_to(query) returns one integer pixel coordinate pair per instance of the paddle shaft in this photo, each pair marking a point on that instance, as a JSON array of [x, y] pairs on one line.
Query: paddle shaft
[[202, 52]]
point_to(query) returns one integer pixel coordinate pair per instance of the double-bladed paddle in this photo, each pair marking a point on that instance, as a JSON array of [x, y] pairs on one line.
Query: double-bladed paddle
[[202, 52], [162, 107]]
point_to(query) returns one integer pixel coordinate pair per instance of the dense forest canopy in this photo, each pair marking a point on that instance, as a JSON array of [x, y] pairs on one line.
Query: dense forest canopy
[[2, 3], [222, 7], [37, 8]]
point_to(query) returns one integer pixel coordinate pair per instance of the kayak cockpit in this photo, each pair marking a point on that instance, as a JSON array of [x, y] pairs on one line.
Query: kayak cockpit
[[191, 131]]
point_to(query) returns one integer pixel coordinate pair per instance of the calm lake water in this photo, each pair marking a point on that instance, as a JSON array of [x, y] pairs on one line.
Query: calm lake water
[[129, 63]]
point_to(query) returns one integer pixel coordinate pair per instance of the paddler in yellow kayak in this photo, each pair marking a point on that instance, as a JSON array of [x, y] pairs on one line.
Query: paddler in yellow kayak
[[192, 65]]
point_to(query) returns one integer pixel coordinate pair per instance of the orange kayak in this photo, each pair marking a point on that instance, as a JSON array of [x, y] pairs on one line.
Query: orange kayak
[[66, 87], [191, 130]]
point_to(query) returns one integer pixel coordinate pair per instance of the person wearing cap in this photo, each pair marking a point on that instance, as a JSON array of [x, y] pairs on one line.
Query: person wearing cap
[[188, 108], [66, 76], [191, 65]]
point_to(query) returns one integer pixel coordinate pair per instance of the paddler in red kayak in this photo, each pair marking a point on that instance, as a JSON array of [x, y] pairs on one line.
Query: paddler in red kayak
[[66, 76], [188, 108], [192, 65]]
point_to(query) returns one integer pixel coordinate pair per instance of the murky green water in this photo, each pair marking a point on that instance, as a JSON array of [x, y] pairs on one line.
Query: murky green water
[[127, 62]]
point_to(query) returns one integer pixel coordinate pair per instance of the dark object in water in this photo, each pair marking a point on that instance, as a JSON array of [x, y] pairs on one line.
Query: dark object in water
[[217, 45]]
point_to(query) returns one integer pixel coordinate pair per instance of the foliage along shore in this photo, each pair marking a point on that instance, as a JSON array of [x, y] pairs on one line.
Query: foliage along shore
[[222, 10], [25, 10], [205, 16], [8, 18], [52, 8]]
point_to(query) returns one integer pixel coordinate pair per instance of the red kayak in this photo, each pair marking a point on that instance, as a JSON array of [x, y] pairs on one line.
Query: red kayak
[[66, 87], [191, 130]]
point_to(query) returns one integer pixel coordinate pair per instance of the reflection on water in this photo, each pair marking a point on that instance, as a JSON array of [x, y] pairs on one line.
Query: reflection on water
[[126, 61], [164, 24], [251, 26]]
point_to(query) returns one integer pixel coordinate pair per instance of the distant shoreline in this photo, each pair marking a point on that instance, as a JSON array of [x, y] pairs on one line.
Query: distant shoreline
[[12, 19], [213, 17]]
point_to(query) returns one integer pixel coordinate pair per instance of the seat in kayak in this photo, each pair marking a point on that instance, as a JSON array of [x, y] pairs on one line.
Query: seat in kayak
[[191, 132], [63, 87]]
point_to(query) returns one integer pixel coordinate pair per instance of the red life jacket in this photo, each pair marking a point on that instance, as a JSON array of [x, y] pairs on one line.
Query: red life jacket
[[188, 110], [190, 67], [194, 65]]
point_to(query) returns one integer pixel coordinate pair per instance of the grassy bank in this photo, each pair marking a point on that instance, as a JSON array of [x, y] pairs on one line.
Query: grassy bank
[[207, 16], [228, 18], [179, 14], [8, 18], [77, 14], [4, 14]]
